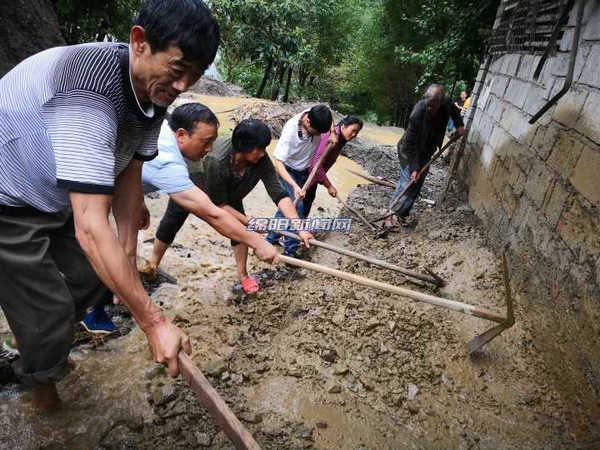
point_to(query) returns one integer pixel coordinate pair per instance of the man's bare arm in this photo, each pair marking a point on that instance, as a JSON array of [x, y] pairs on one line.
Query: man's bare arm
[[105, 253], [198, 203], [128, 207], [242, 218], [289, 211]]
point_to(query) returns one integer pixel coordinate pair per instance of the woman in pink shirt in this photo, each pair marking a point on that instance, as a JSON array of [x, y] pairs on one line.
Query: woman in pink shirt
[[346, 130]]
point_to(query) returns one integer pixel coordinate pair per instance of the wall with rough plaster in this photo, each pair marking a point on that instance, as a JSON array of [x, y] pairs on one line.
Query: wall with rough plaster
[[537, 189]]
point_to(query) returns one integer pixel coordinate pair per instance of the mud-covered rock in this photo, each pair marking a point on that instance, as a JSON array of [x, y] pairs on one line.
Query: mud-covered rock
[[163, 394], [203, 439], [330, 355]]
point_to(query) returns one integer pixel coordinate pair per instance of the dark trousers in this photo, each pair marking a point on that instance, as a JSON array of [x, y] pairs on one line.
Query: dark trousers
[[171, 222], [300, 177], [403, 205], [174, 218], [309, 199], [47, 284]]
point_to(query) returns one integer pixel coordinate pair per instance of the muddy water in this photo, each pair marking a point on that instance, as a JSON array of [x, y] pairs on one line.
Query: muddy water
[[106, 388]]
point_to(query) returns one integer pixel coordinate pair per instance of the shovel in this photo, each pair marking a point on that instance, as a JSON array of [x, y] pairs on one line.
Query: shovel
[[479, 341], [372, 179], [431, 278]]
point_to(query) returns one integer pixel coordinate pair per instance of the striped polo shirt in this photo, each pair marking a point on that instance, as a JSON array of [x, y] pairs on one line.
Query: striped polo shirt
[[70, 121]]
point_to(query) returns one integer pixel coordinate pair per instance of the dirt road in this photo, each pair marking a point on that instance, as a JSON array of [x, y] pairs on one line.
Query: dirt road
[[316, 363]]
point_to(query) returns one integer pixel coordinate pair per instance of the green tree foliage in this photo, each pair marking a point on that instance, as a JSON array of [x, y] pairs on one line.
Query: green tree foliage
[[365, 57], [452, 35], [91, 20], [402, 46], [274, 47]]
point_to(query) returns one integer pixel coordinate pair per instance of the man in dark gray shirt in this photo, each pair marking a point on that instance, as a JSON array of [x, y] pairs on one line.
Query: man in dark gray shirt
[[424, 134]]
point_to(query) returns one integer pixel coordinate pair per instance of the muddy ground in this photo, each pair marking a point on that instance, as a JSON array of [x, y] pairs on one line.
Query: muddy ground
[[313, 362]]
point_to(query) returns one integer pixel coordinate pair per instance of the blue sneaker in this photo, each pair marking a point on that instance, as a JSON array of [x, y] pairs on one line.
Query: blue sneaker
[[98, 322]]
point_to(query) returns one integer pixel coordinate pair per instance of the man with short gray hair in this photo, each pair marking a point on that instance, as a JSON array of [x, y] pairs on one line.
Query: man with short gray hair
[[424, 134]]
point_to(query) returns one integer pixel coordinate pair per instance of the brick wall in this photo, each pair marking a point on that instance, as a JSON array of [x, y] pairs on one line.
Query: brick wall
[[537, 189]]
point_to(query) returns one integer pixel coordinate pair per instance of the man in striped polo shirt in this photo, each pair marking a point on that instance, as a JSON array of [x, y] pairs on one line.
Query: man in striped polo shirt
[[75, 125]]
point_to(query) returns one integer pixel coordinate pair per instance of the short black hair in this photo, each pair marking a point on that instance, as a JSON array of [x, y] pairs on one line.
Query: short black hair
[[250, 134], [351, 120], [320, 118], [187, 24], [187, 116]]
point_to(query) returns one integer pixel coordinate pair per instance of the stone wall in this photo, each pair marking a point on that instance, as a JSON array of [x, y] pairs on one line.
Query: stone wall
[[537, 189]]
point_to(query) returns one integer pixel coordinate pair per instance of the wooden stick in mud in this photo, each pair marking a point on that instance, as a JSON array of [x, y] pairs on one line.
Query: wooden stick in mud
[[362, 218], [439, 153], [414, 295], [217, 408], [437, 281], [375, 180]]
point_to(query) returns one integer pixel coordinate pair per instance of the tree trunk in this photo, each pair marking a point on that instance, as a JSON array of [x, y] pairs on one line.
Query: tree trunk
[[397, 115], [277, 87], [286, 96], [453, 88], [26, 27], [265, 78], [302, 74]]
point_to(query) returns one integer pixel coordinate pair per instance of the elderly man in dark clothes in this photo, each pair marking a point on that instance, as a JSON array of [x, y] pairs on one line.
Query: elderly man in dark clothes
[[424, 134]]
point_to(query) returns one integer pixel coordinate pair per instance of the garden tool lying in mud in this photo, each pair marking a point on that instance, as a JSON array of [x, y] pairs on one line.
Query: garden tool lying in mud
[[362, 218], [376, 180], [479, 341], [464, 308], [431, 278], [214, 404], [394, 201]]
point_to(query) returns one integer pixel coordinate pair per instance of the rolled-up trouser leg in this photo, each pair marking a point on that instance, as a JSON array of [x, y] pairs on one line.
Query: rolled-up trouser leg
[[37, 294], [300, 177], [403, 205], [171, 223]]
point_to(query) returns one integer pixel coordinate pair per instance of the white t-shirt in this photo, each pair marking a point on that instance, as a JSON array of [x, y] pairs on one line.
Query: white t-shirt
[[295, 151]]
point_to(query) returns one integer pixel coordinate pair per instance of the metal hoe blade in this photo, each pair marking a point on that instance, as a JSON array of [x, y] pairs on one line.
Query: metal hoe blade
[[479, 341]]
